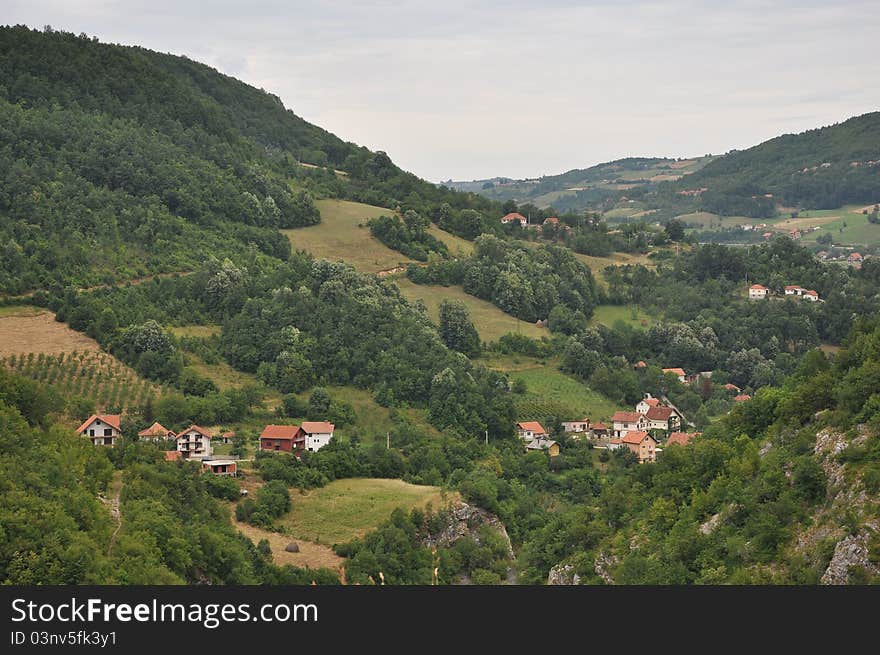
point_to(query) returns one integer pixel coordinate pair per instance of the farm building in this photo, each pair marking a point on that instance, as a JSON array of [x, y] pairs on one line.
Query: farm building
[[156, 432], [582, 425], [285, 438], [194, 442], [681, 438], [102, 429], [515, 217], [549, 445], [226, 437], [220, 466]]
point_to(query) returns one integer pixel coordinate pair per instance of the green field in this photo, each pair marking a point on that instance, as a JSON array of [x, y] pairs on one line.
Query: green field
[[457, 246], [343, 235], [201, 331], [348, 508], [550, 392], [490, 321], [608, 315], [847, 225]]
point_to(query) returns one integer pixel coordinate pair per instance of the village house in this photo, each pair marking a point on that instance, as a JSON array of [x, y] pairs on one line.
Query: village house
[[317, 434], [758, 292], [551, 220], [640, 365], [742, 398], [102, 429], [284, 438], [647, 403], [549, 445], [156, 432], [794, 290], [194, 443], [811, 296], [732, 388], [583, 425], [642, 444], [624, 422], [172, 455], [679, 372], [529, 430], [681, 438], [855, 260], [613, 444], [662, 418], [226, 437], [515, 217], [599, 430], [220, 466]]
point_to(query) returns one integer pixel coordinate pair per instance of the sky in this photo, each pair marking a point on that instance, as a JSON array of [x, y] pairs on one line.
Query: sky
[[470, 90]]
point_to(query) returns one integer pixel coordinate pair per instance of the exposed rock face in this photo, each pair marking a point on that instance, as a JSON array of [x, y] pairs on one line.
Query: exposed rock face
[[465, 520], [602, 564], [850, 552], [563, 574]]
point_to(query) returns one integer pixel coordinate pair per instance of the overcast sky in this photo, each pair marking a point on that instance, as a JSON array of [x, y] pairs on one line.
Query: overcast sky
[[466, 90]]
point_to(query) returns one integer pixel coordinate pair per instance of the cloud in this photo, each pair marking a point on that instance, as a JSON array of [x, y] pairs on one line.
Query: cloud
[[476, 89]]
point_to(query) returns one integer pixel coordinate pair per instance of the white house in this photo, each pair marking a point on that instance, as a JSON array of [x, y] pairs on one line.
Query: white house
[[679, 373], [647, 403], [102, 429], [515, 217], [624, 422], [811, 296], [529, 430], [794, 290], [662, 418], [195, 442], [317, 434], [758, 292]]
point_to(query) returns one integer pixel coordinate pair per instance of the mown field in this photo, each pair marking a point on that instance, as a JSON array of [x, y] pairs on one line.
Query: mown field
[[25, 329], [490, 321], [549, 391], [345, 509], [633, 315]]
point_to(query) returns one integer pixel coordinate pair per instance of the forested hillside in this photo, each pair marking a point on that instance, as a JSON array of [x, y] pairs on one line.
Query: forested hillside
[[118, 162]]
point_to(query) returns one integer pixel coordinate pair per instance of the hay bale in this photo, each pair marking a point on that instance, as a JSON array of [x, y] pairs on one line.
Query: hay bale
[[292, 547]]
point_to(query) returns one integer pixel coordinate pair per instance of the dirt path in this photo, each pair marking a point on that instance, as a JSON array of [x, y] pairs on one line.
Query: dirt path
[[115, 490]]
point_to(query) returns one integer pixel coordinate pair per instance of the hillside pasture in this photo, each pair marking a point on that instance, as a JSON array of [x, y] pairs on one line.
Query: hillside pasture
[[633, 315], [549, 391], [26, 329], [490, 321], [345, 509]]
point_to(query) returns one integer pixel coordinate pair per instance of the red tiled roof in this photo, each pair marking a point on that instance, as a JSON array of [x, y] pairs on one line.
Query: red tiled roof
[[742, 398], [155, 430], [614, 441], [311, 427], [677, 371], [731, 387], [855, 255], [513, 216], [551, 219], [641, 364], [113, 420], [759, 286], [532, 426], [659, 413], [792, 287], [681, 438], [651, 402], [172, 455], [196, 428], [626, 417], [636, 437], [811, 293], [600, 426], [280, 432]]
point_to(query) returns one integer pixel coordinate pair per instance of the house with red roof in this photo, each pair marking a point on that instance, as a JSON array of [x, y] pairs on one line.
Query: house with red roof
[[642, 444], [679, 372], [681, 438], [794, 290], [102, 429], [172, 455], [529, 430], [317, 434], [551, 220], [599, 429], [855, 259], [624, 422], [758, 292], [662, 418], [647, 403], [811, 296], [194, 442], [732, 387], [742, 398], [156, 432], [220, 466], [515, 217], [284, 438]]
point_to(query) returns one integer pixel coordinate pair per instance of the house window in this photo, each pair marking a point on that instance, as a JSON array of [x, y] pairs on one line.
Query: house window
[[108, 432], [91, 433]]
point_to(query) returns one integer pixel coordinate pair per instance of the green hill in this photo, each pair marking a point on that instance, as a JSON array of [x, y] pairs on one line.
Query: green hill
[[118, 162]]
